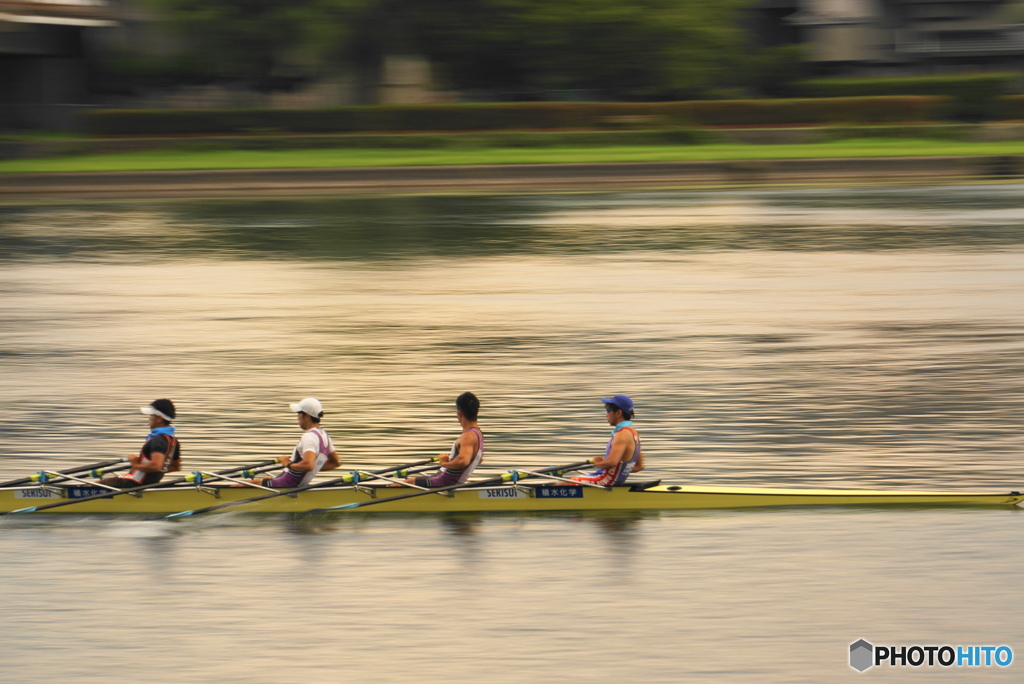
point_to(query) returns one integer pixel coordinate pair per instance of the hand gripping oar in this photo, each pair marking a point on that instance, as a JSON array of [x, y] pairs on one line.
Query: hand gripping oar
[[131, 490], [351, 478], [510, 476], [32, 479]]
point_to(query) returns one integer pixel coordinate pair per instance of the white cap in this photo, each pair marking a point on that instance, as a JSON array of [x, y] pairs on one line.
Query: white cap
[[309, 406], [161, 407]]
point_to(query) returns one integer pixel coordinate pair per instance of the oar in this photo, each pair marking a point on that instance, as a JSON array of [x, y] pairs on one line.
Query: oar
[[31, 479], [501, 479], [132, 490], [351, 478]]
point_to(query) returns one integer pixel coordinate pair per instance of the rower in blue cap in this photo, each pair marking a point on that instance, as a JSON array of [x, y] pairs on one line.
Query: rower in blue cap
[[624, 453]]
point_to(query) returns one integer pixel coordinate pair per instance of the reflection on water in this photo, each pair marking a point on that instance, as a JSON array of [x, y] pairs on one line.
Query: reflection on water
[[829, 337], [403, 228], [770, 596]]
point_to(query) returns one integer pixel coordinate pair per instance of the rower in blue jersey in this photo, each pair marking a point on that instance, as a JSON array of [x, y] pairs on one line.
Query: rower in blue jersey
[[624, 453]]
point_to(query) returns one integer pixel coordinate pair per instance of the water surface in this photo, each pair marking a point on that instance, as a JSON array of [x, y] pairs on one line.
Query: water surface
[[850, 338]]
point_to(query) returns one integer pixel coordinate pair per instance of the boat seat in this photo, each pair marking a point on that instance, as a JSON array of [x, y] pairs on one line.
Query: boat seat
[[641, 486]]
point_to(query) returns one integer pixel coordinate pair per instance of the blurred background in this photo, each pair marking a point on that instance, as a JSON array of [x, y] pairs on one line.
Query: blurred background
[[63, 62], [864, 337]]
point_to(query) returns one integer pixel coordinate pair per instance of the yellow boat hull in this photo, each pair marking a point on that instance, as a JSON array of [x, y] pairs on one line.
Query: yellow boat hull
[[491, 499]]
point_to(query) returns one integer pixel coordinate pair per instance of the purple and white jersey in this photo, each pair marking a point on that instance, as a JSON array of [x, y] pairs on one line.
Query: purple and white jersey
[[318, 441], [452, 476]]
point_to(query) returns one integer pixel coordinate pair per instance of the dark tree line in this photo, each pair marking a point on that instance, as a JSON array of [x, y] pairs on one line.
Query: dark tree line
[[491, 49]]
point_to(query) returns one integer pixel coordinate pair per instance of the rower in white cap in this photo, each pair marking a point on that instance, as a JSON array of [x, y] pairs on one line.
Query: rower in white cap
[[314, 452]]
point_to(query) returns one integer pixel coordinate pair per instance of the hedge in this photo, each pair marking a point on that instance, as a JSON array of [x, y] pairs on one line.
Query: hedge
[[972, 96], [34, 149], [516, 116], [817, 111]]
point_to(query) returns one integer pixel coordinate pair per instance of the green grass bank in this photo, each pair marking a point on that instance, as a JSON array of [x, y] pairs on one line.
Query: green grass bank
[[198, 159]]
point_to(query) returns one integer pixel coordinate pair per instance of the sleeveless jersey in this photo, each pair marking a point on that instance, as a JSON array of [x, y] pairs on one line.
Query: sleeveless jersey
[[324, 450], [618, 473], [141, 477], [463, 474]]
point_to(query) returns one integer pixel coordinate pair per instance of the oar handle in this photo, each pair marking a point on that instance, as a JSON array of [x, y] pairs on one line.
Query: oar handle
[[44, 477], [70, 471], [197, 477]]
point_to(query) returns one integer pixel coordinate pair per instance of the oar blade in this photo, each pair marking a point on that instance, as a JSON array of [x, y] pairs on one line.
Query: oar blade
[[339, 507]]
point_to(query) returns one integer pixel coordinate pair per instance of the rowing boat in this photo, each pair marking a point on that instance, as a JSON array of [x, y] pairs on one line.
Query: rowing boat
[[521, 496]]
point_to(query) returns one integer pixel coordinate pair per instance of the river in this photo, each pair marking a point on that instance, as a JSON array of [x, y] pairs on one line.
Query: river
[[857, 337]]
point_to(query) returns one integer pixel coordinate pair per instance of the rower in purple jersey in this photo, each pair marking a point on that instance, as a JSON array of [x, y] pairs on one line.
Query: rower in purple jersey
[[467, 451], [314, 452]]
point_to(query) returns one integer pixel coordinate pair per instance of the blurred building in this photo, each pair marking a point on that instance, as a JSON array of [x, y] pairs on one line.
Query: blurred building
[[898, 36], [45, 59]]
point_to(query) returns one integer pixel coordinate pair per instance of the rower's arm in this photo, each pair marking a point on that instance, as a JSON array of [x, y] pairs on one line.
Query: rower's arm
[[467, 448], [333, 461], [639, 462], [622, 443], [307, 463], [155, 464]]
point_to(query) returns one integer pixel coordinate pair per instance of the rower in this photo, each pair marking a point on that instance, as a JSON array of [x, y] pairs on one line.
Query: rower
[[624, 453], [467, 451], [161, 452], [313, 453]]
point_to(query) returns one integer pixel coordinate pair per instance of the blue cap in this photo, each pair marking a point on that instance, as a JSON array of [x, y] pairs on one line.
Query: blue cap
[[622, 401]]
